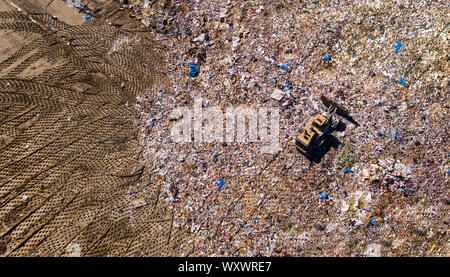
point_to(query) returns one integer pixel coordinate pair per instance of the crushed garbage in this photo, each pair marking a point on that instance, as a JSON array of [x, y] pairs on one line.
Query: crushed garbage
[[326, 57], [398, 46], [285, 68], [286, 54], [221, 184], [195, 69]]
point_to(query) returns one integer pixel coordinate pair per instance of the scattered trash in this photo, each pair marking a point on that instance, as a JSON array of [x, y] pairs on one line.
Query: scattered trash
[[399, 45], [277, 94], [200, 38], [195, 69], [288, 86], [247, 66], [245, 226], [395, 135], [221, 184], [402, 82], [285, 68], [326, 57]]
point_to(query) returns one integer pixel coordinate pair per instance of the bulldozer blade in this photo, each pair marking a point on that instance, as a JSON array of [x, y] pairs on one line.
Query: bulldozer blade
[[340, 110]]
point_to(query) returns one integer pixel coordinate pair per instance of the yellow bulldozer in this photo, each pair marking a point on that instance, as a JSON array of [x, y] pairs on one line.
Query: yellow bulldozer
[[313, 135]]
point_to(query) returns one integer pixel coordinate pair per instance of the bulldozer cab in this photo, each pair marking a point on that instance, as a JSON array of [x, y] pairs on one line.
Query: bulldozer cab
[[318, 124], [319, 120], [315, 128], [304, 139]]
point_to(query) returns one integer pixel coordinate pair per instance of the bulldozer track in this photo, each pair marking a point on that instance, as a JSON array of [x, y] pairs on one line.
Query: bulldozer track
[[70, 163]]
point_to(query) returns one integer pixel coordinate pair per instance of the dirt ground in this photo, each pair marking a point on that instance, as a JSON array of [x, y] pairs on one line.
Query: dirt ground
[[72, 181]]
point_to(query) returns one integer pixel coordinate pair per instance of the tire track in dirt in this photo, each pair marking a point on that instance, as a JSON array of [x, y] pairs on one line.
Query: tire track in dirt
[[70, 170]]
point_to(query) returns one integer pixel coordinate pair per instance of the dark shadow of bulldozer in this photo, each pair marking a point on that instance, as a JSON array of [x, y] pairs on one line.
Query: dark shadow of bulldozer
[[317, 152]]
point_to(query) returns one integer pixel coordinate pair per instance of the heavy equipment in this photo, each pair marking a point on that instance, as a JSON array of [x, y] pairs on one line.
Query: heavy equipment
[[313, 135]]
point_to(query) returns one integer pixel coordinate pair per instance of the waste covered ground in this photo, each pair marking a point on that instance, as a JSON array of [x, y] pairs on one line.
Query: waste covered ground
[[91, 168], [381, 188]]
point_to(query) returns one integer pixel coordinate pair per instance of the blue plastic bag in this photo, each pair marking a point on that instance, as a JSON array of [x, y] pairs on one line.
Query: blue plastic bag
[[195, 69]]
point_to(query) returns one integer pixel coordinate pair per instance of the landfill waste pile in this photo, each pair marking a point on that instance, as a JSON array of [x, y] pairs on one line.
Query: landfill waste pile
[[92, 94], [381, 186]]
